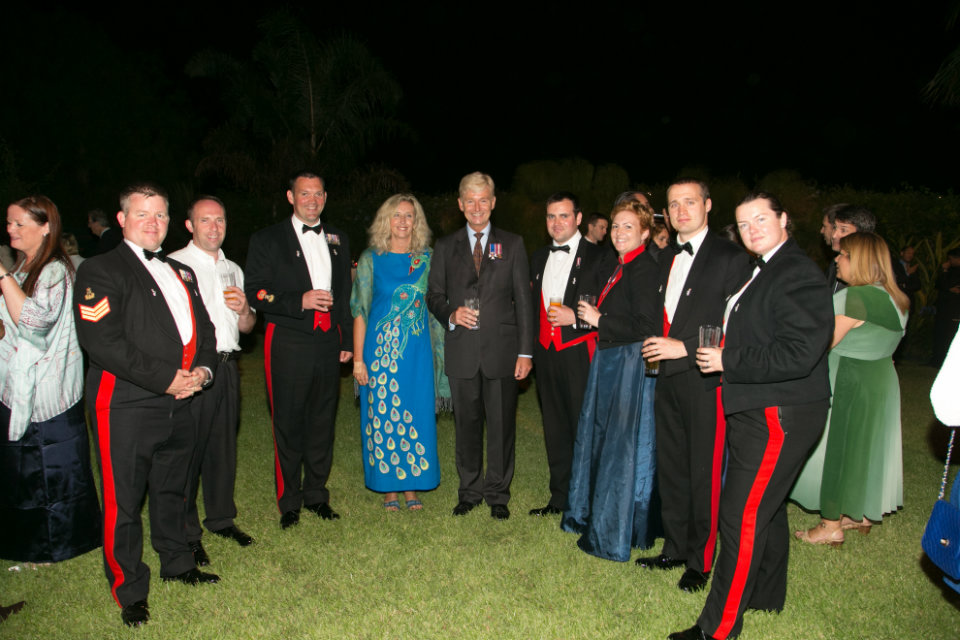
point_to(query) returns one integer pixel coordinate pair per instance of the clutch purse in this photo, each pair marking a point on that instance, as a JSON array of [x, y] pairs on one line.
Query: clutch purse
[[941, 538]]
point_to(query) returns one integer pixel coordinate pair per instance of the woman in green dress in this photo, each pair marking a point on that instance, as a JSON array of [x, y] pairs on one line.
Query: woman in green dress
[[855, 475]]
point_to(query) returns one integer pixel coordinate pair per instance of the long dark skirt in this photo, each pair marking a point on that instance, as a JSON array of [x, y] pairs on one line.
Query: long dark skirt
[[613, 502], [49, 509]]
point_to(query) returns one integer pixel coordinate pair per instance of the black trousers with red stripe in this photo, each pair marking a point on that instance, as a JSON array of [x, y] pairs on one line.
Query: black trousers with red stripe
[[766, 449], [303, 383], [143, 447], [561, 383], [689, 465]]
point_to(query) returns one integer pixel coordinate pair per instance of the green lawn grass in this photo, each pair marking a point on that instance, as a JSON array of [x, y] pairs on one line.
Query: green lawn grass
[[374, 574]]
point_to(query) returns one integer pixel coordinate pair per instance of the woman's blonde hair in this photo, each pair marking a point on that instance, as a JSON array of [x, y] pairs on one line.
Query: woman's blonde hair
[[870, 263], [379, 230]]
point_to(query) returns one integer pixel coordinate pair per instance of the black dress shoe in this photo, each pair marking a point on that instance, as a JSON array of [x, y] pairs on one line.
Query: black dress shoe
[[692, 581], [234, 534], [136, 614], [660, 562], [693, 633], [323, 510], [290, 518], [499, 512], [194, 577], [548, 510], [463, 508], [199, 553]]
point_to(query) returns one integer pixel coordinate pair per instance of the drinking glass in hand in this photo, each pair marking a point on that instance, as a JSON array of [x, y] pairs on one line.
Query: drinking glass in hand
[[227, 280], [590, 300], [710, 335], [474, 305]]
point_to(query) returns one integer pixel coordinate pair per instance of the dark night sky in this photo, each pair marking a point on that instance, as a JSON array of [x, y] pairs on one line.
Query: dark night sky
[[833, 93]]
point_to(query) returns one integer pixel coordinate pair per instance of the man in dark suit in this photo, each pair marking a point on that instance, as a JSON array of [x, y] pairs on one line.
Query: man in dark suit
[[560, 273], [775, 395], [298, 276], [99, 225], [151, 346], [697, 275], [486, 352]]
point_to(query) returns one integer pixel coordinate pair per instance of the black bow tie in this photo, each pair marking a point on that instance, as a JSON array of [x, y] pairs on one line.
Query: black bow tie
[[317, 229], [758, 262], [564, 247], [686, 246], [150, 255]]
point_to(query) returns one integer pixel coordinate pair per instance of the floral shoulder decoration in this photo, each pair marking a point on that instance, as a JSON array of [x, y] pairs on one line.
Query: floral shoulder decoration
[[416, 260]]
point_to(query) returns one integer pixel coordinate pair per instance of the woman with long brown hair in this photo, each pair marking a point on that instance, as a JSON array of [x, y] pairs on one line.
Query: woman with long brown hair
[[855, 474], [49, 506]]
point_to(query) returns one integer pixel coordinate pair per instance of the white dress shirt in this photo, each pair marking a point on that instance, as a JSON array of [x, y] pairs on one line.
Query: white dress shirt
[[679, 272], [317, 253], [557, 271], [208, 272], [171, 288]]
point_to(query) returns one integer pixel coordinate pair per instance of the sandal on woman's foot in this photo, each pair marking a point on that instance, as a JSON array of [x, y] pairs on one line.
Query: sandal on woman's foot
[[414, 505], [391, 505], [821, 535], [863, 526]]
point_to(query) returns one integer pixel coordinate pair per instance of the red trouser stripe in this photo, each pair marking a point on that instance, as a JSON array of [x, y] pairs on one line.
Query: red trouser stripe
[[104, 395], [267, 348], [748, 528], [716, 473]]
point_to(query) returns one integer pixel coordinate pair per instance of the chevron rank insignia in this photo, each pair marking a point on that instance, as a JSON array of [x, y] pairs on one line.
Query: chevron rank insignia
[[96, 312]]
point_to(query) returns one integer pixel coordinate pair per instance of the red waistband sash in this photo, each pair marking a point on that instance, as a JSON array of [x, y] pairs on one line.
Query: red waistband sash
[[550, 335]]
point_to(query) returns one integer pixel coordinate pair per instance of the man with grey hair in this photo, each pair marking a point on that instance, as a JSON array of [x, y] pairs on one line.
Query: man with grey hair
[[479, 288]]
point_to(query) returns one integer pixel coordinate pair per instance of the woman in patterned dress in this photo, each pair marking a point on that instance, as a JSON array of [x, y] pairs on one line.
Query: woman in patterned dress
[[48, 505], [394, 356]]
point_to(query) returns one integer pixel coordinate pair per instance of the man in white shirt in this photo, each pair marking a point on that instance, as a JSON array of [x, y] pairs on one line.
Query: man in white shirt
[[216, 409]]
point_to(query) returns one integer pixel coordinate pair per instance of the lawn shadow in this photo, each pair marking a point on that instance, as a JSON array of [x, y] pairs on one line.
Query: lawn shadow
[[935, 575]]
